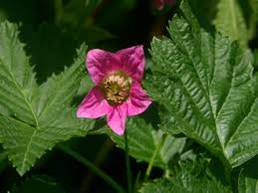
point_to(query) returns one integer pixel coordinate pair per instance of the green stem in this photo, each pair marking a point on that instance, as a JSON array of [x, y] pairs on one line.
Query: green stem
[[92, 167], [128, 166], [155, 153]]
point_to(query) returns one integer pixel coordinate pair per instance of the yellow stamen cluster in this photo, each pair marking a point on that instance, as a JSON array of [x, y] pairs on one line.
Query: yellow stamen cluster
[[116, 87]]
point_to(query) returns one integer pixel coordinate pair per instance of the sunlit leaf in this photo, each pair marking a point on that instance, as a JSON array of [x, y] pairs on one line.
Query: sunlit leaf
[[34, 118], [207, 84]]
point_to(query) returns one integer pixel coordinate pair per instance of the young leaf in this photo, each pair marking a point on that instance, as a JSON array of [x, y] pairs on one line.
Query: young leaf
[[189, 178], [143, 140], [207, 85], [35, 117]]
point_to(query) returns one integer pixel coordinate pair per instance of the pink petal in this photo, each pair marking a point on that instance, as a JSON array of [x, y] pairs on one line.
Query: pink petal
[[93, 105], [133, 61], [116, 119], [100, 63], [138, 101]]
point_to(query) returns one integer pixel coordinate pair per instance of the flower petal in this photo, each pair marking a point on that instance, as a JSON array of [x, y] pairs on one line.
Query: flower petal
[[138, 101], [133, 61], [100, 62], [93, 105], [116, 119]]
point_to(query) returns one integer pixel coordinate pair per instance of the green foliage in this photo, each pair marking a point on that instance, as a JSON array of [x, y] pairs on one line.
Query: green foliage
[[34, 118], [207, 85], [143, 140], [203, 84], [237, 19], [190, 177]]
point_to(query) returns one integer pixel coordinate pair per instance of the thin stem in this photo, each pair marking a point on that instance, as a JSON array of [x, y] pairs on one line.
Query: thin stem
[[155, 153], [92, 167], [128, 166]]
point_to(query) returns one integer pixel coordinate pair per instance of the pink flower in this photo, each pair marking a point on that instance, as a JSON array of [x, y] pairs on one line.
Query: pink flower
[[159, 4], [118, 92]]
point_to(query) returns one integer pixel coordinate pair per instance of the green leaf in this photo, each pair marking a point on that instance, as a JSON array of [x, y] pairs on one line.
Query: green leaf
[[58, 91], [207, 85], [231, 20], [34, 118], [17, 80], [143, 140], [188, 178]]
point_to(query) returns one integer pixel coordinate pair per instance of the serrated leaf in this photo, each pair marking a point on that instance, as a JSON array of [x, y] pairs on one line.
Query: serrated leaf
[[188, 178], [231, 20], [34, 118], [206, 83], [58, 91], [17, 80], [144, 140]]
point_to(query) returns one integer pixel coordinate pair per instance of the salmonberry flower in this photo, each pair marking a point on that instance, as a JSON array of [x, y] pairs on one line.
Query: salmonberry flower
[[118, 92], [159, 4]]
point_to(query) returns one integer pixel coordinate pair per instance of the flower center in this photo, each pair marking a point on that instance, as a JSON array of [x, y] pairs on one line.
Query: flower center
[[116, 87]]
